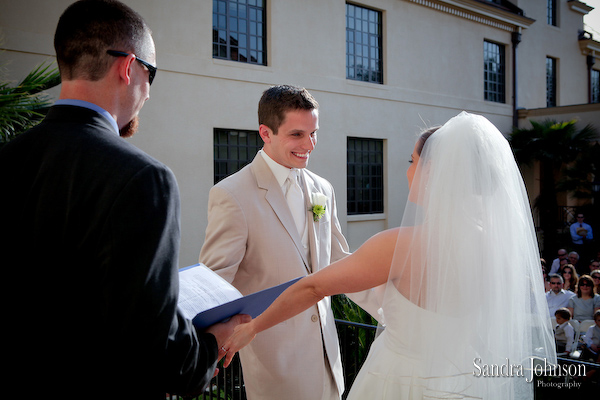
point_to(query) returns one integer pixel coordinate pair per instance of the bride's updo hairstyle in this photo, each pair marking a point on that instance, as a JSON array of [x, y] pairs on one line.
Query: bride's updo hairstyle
[[473, 148], [423, 138]]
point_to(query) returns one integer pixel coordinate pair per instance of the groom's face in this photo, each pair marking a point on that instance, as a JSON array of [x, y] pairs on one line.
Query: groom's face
[[296, 138]]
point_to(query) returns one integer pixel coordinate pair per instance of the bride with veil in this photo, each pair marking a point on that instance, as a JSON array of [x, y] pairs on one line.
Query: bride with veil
[[463, 290]]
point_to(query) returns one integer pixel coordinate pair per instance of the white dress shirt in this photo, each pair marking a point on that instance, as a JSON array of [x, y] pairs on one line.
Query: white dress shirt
[[556, 301]]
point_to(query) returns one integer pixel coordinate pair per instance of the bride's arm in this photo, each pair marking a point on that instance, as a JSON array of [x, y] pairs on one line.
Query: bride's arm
[[367, 267]]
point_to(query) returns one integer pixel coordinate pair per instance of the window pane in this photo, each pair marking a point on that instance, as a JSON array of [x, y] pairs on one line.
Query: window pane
[[363, 44], [551, 12], [494, 72], [233, 149], [236, 21], [364, 176], [550, 82], [595, 86]]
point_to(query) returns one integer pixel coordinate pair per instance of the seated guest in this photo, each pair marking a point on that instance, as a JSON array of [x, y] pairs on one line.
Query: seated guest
[[573, 259], [564, 334], [596, 278], [562, 255], [570, 276], [561, 265], [557, 297], [594, 265], [545, 275], [592, 340], [586, 303]]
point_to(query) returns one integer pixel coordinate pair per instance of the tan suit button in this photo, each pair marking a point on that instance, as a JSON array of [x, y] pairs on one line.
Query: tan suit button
[[314, 318]]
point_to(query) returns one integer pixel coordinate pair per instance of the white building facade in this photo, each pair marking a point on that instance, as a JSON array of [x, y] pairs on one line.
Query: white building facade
[[381, 70]]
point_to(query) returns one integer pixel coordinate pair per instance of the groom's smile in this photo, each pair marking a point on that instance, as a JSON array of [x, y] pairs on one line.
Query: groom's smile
[[295, 139]]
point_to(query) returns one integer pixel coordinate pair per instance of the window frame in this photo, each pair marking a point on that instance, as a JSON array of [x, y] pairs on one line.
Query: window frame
[[232, 162], [552, 12], [551, 82], [244, 21], [365, 176], [494, 72], [355, 46], [595, 86]]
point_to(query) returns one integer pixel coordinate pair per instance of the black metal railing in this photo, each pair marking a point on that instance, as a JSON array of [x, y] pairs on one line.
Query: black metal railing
[[355, 341]]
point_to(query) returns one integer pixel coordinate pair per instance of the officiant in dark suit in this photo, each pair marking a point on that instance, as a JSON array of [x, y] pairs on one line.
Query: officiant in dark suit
[[90, 232]]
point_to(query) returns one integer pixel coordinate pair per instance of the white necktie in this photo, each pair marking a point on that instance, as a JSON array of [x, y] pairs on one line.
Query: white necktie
[[295, 200]]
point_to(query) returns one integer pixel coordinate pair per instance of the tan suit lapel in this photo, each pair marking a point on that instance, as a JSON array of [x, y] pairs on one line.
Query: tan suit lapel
[[274, 196]]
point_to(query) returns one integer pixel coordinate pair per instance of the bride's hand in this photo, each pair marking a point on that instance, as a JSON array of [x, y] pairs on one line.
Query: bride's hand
[[242, 336]]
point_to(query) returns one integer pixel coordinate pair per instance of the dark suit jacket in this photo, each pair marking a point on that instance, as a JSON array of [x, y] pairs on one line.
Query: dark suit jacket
[[89, 240]]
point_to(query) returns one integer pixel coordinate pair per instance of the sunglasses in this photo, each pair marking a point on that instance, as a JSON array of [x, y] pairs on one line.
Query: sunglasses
[[151, 68], [586, 284]]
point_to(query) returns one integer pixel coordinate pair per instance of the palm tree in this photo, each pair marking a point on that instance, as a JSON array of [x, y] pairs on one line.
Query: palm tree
[[563, 152], [26, 104]]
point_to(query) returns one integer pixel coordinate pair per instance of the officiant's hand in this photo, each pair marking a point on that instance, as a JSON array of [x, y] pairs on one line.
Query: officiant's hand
[[223, 330], [242, 336]]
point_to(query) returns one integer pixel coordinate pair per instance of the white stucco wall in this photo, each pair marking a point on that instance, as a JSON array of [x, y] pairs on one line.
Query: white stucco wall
[[433, 63]]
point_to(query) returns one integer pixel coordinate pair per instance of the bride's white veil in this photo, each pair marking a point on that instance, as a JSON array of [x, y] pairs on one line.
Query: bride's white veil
[[467, 259]]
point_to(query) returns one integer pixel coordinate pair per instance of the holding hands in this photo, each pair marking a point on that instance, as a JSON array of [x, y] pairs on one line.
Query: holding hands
[[222, 331], [243, 334]]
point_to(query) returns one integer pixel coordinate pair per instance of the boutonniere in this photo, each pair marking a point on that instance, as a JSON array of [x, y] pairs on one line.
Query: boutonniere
[[319, 201]]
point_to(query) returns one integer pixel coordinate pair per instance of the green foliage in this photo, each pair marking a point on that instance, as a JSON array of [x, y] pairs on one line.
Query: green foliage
[[567, 163], [24, 105], [345, 309], [558, 142], [565, 150]]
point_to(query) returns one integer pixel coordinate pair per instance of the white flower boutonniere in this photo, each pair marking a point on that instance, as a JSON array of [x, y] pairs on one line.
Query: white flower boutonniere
[[319, 201]]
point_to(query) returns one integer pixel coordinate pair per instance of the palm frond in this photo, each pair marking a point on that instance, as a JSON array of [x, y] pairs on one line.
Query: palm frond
[[24, 105]]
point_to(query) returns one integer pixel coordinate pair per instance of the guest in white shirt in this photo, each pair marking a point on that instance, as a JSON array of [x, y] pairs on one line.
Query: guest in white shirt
[[562, 255], [557, 297]]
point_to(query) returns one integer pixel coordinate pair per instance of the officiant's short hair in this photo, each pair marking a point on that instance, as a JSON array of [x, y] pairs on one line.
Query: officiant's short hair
[[87, 29], [279, 99]]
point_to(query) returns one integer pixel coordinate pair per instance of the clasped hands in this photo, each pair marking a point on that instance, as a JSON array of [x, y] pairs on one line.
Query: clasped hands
[[232, 336]]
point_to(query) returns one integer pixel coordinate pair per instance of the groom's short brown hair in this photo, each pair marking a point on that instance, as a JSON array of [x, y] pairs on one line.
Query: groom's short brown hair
[[277, 100]]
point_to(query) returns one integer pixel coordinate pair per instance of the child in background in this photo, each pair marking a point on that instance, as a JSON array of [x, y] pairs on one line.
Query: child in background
[[592, 340], [564, 334]]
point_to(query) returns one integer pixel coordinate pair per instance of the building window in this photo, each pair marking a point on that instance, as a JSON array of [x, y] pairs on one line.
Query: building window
[[365, 176], [493, 72], [363, 44], [239, 31], [595, 81], [234, 149], [550, 82], [551, 13]]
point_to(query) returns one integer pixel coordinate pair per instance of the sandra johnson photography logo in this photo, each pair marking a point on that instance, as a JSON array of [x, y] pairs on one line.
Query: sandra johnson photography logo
[[531, 368]]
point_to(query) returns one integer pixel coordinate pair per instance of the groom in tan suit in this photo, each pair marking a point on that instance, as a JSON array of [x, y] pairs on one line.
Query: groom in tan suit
[[262, 232]]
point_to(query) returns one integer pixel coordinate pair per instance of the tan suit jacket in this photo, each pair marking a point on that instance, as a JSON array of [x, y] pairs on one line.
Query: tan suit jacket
[[252, 242]]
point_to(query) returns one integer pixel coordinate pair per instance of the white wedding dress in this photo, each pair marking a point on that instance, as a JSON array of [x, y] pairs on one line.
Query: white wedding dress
[[465, 285], [395, 367]]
